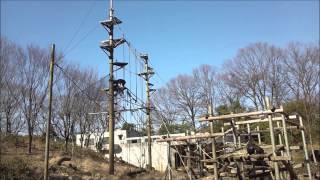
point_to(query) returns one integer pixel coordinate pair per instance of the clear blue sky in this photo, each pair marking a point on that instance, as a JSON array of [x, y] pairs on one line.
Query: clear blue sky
[[177, 35]]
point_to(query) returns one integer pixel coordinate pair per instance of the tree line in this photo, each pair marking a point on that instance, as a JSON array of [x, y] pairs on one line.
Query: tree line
[[290, 75], [24, 74]]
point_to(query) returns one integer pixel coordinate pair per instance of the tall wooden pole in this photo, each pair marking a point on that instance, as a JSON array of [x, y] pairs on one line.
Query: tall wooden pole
[[147, 74], [108, 46], [111, 96], [148, 115], [46, 164]]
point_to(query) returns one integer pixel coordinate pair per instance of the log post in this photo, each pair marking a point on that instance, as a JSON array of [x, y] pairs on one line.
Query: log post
[[276, 166], [239, 136], [259, 135], [285, 134], [169, 162], [214, 155], [223, 139], [305, 148]]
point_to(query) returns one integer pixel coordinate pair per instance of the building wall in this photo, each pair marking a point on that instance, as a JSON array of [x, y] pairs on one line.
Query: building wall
[[134, 150], [137, 154]]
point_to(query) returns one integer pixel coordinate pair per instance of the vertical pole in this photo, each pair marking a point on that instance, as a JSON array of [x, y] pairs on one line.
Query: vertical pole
[[213, 145], [306, 156], [111, 97], [282, 174], [200, 164], [279, 135], [239, 136], [223, 138], [259, 135], [214, 155], [169, 162], [285, 133], [276, 167], [49, 114], [234, 132], [148, 114], [188, 159]]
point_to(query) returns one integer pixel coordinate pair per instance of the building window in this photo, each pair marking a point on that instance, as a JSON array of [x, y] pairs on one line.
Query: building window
[[120, 136]]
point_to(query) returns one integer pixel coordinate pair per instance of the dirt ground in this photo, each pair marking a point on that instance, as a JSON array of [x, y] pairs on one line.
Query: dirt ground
[[16, 163]]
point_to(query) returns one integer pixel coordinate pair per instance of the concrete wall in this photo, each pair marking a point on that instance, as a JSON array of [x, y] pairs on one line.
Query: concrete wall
[[137, 154], [134, 150]]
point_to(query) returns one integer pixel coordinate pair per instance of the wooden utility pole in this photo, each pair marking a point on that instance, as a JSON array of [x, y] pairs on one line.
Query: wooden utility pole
[[111, 97], [108, 46], [46, 161], [146, 75]]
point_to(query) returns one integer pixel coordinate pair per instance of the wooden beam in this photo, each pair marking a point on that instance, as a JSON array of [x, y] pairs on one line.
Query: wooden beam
[[239, 115], [251, 121], [197, 136], [279, 158], [277, 129]]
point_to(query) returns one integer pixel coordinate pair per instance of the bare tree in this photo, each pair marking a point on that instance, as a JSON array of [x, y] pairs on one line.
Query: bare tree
[[9, 94], [88, 101], [67, 89], [165, 108], [33, 71], [227, 94], [256, 73], [204, 77], [302, 77], [185, 94]]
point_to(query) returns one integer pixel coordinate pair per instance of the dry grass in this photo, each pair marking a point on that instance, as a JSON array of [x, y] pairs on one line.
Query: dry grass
[[16, 163]]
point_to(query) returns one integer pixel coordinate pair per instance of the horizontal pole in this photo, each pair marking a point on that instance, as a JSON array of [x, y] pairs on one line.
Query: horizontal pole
[[239, 115], [197, 136], [251, 121]]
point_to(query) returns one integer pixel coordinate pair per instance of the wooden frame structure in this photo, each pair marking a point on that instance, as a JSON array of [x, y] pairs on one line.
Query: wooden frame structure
[[275, 163]]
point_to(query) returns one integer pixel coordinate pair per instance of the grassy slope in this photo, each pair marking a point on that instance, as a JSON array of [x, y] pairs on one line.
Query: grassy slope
[[16, 163]]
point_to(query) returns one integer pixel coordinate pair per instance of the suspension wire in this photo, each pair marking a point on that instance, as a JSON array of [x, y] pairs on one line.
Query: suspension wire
[[80, 25], [168, 134], [80, 40], [81, 90]]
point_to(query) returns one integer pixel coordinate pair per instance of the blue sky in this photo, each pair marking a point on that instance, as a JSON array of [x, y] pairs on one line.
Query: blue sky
[[177, 35]]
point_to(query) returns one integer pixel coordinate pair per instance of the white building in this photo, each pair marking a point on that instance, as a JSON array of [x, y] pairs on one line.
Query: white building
[[133, 149]]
